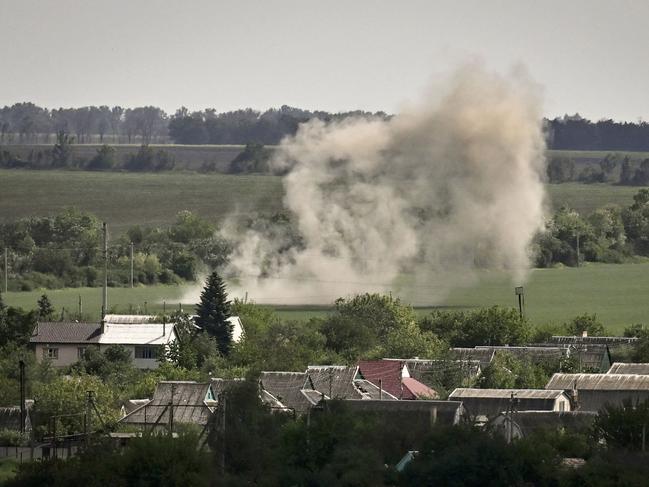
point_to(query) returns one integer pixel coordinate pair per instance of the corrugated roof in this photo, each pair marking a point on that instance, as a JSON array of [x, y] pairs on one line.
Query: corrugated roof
[[129, 319], [370, 391], [532, 354], [485, 356], [570, 339], [444, 412], [187, 398], [462, 393], [66, 332], [602, 382], [137, 334], [285, 388], [336, 381], [624, 368]]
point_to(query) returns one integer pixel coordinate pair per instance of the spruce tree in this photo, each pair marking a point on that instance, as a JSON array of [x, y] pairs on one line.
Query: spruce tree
[[45, 308], [213, 312]]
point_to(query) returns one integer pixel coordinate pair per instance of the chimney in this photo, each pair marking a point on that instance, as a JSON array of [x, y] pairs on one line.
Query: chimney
[[584, 334]]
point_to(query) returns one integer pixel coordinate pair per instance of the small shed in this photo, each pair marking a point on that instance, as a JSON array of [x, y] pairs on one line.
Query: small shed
[[524, 423], [594, 391], [491, 402]]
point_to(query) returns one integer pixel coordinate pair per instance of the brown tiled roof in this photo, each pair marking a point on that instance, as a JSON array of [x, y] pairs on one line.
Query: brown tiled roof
[[66, 332]]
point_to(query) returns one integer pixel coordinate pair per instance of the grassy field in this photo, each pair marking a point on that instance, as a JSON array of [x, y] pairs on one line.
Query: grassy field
[[586, 198], [617, 293], [124, 199], [189, 157]]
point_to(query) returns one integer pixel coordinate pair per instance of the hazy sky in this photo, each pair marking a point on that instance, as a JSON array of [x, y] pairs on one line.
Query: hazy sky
[[591, 57]]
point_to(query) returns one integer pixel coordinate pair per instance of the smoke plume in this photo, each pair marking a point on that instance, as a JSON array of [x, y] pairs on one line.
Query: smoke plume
[[413, 204]]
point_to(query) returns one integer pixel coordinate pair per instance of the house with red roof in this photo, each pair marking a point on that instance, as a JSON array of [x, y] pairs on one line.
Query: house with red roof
[[394, 377]]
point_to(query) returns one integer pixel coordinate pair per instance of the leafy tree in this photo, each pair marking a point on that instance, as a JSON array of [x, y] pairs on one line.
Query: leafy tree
[[213, 312], [62, 150], [485, 326], [45, 308], [254, 158], [104, 160], [507, 372], [584, 323], [622, 426]]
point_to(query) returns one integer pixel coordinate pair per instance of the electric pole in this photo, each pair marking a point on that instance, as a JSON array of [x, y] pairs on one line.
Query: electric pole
[[105, 290], [6, 270], [131, 264]]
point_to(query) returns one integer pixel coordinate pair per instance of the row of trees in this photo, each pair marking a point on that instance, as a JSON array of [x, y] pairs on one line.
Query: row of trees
[[578, 133], [65, 251], [29, 123], [610, 234], [613, 168]]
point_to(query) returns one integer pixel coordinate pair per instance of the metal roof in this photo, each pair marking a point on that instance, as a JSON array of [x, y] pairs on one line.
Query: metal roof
[[462, 393], [624, 368], [336, 381], [190, 402], [601, 382], [129, 319], [283, 389], [592, 340], [137, 334], [66, 332]]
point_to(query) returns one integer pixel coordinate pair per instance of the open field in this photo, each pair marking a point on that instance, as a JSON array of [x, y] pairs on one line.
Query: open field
[[188, 157], [124, 199], [617, 293]]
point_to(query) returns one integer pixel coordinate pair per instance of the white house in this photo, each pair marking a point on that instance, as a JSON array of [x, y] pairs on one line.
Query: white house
[[65, 343]]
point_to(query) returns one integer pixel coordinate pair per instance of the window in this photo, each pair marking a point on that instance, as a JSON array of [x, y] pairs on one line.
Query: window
[[81, 352], [51, 353], [145, 352]]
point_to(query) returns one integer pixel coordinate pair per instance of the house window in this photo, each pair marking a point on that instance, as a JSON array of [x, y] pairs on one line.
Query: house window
[[145, 352], [81, 352], [51, 353]]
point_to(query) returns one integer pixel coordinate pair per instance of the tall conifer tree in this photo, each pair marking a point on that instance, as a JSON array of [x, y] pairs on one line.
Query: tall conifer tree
[[213, 312]]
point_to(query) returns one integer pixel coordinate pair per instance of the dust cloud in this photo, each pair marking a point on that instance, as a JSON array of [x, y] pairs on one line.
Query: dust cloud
[[414, 204]]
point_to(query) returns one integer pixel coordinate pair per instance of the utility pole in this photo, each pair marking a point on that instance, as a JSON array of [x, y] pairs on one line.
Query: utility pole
[[21, 364], [105, 290], [519, 291], [578, 256], [80, 307], [6, 270], [86, 423], [131, 264]]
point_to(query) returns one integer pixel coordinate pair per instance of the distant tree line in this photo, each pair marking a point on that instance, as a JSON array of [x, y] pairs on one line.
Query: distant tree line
[[573, 132], [614, 168], [28, 123]]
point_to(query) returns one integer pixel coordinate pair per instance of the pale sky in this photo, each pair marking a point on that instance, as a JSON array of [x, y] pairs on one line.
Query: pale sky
[[591, 56]]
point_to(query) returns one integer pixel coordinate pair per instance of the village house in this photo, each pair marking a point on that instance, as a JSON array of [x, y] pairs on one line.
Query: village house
[[429, 372], [415, 414], [591, 392], [483, 404], [64, 343], [524, 423]]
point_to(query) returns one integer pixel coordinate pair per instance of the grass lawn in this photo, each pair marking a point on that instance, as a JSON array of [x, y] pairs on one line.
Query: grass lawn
[[617, 293], [586, 198]]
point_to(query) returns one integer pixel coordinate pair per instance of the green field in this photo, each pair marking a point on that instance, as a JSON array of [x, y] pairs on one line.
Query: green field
[[617, 293], [125, 199], [190, 157]]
